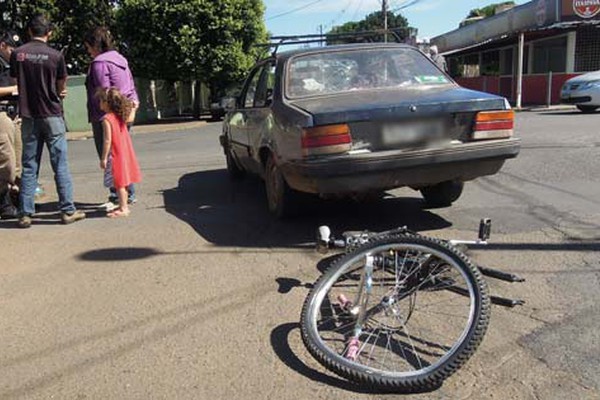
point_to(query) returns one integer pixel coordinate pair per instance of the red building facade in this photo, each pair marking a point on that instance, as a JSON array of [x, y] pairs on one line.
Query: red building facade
[[527, 52]]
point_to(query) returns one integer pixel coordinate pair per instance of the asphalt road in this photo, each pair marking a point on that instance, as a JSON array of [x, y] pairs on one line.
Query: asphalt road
[[197, 294]]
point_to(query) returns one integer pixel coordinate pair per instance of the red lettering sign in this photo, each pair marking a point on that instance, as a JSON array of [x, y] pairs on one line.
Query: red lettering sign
[[586, 8]]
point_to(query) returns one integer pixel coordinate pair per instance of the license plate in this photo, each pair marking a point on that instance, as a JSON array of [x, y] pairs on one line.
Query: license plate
[[411, 133]]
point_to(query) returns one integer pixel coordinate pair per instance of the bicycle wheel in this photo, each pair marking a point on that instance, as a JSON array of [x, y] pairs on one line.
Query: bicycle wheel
[[399, 313]]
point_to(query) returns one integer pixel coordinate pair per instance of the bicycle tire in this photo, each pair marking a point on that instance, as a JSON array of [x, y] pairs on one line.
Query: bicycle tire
[[383, 378]]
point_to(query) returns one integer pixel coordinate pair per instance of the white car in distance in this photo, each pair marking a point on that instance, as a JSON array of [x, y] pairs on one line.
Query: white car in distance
[[583, 91]]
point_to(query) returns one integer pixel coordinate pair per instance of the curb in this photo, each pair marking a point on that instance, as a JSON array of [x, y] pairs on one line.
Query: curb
[[546, 108]]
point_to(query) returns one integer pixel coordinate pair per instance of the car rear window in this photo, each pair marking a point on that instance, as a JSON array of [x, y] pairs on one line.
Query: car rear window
[[353, 70]]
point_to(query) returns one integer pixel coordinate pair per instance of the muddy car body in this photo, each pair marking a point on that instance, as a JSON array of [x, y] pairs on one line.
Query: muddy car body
[[359, 119]]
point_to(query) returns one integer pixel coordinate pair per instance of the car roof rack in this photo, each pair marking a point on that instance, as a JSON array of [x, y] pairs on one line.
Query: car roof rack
[[367, 36]]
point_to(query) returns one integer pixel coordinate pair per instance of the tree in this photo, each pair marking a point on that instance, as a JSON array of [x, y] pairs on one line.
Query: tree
[[488, 11], [372, 22], [71, 19], [210, 41]]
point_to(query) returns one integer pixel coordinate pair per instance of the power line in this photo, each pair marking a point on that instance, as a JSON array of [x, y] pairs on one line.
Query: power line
[[357, 10], [294, 10], [406, 5], [340, 14]]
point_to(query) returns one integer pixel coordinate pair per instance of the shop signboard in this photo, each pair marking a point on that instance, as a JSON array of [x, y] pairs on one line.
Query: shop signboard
[[577, 9]]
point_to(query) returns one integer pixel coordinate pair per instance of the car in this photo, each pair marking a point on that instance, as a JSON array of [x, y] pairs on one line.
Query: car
[[361, 119], [583, 91], [217, 108], [218, 105]]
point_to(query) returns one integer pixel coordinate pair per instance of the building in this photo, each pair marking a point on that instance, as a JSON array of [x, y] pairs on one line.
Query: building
[[527, 52]]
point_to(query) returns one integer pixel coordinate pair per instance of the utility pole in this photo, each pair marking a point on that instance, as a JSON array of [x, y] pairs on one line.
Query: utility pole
[[384, 7], [321, 33]]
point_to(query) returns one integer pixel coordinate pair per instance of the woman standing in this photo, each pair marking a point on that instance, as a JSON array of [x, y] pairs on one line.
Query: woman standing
[[108, 69]]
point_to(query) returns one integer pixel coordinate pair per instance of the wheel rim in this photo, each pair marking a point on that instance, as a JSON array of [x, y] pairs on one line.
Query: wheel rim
[[399, 341]]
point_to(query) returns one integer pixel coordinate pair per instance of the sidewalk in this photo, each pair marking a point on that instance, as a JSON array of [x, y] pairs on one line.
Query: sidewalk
[[554, 107], [165, 125]]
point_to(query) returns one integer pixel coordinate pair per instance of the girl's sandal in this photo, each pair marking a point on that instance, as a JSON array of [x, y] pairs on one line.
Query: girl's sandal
[[117, 214]]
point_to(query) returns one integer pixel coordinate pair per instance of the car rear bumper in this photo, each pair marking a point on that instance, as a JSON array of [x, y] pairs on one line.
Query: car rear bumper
[[392, 169]]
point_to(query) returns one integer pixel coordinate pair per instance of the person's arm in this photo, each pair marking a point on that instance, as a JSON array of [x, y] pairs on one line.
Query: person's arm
[[100, 75], [61, 78], [107, 143], [8, 90], [61, 87]]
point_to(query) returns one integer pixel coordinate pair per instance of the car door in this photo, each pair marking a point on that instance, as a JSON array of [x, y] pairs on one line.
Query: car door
[[259, 117], [238, 123]]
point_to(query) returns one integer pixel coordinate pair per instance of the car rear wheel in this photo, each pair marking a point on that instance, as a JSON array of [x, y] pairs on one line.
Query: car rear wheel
[[282, 200], [587, 109], [443, 194]]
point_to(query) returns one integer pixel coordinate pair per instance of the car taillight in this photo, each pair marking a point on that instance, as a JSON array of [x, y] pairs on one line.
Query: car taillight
[[326, 139], [494, 124]]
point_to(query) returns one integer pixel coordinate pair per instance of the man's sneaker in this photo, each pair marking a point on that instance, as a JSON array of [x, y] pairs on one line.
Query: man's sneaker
[[75, 216], [131, 200], [24, 221]]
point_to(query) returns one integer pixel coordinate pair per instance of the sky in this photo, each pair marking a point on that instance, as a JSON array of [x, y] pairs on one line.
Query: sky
[[430, 17]]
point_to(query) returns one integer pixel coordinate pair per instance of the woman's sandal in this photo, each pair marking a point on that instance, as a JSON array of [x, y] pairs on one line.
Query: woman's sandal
[[118, 214]]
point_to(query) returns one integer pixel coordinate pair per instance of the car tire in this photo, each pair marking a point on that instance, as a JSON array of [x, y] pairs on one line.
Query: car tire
[[443, 194], [235, 172], [282, 200], [587, 109]]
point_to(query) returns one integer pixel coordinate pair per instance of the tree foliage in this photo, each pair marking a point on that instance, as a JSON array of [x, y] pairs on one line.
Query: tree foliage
[[488, 11], [372, 22], [71, 19], [212, 41]]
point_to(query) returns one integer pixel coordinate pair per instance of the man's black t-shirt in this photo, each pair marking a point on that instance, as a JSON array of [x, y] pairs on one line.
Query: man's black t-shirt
[[5, 79], [37, 67]]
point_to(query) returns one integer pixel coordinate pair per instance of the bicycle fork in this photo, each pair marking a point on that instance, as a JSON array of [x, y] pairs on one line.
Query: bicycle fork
[[359, 307]]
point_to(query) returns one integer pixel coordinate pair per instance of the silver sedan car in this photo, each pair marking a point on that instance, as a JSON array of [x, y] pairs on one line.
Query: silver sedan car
[[583, 91]]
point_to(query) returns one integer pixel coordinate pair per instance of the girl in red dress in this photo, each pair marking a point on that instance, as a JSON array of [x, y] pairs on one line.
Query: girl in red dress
[[118, 158]]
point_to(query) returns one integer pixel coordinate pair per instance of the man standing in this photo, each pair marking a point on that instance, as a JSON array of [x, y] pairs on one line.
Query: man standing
[[10, 151], [41, 78]]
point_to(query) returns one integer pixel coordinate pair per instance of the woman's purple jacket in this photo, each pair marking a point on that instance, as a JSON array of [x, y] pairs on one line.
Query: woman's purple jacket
[[108, 69]]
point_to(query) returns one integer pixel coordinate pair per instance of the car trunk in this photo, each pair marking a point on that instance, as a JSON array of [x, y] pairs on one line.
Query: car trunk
[[407, 118]]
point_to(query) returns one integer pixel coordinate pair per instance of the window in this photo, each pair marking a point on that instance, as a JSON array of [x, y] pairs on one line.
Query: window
[[490, 63], [251, 88], [363, 69], [550, 55], [506, 62], [265, 86], [587, 53]]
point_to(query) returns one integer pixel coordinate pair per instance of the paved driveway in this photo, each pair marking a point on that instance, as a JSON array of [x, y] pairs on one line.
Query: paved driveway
[[198, 293]]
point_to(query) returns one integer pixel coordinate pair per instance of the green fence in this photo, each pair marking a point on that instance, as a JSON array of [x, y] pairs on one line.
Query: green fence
[[158, 99]]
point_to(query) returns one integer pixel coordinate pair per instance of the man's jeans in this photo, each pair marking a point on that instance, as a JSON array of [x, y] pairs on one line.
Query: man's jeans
[[98, 132], [52, 132]]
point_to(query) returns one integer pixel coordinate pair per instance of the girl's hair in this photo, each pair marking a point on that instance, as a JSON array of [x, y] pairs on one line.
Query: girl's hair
[[117, 103], [99, 38]]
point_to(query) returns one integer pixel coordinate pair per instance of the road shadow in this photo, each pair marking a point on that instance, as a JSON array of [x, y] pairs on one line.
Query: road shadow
[[48, 213], [281, 346], [234, 213]]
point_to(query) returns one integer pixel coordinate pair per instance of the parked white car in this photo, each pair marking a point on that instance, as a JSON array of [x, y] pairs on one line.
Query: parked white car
[[583, 91]]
